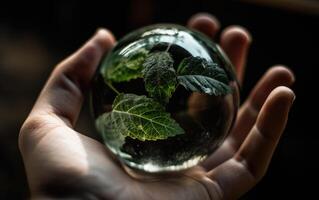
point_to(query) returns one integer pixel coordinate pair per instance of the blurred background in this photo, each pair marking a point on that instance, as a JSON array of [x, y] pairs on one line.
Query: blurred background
[[34, 37]]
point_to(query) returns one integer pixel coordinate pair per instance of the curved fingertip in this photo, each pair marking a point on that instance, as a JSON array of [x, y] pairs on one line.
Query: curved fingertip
[[274, 77], [235, 40], [282, 95], [205, 23], [236, 34], [273, 116], [87, 57], [104, 37], [204, 16], [284, 73]]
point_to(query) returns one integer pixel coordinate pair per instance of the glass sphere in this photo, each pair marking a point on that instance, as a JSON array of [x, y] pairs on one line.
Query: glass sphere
[[164, 98]]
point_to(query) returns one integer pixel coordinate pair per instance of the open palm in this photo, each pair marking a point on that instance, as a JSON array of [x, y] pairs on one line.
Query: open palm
[[62, 163]]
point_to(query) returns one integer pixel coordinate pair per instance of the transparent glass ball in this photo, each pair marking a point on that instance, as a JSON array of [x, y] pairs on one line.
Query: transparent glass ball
[[164, 98]]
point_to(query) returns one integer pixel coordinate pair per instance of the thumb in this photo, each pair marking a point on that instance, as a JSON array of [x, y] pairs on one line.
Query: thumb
[[62, 95]]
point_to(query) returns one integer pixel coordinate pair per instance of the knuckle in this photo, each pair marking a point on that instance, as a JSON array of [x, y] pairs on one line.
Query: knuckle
[[88, 56], [30, 127], [31, 124]]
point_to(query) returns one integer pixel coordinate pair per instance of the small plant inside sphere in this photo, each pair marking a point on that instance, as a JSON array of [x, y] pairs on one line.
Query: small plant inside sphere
[[164, 98]]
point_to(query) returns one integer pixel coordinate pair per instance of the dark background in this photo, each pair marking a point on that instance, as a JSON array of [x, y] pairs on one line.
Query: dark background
[[34, 37]]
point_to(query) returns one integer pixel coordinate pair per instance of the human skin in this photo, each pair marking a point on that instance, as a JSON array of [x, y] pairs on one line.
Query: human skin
[[62, 163]]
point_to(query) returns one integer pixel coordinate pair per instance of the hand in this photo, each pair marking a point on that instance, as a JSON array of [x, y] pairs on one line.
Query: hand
[[62, 163]]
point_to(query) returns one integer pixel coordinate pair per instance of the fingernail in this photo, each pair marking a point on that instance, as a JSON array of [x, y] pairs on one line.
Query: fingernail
[[293, 100], [293, 80]]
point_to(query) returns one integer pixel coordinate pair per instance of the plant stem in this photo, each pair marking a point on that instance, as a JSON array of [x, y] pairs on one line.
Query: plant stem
[[112, 87]]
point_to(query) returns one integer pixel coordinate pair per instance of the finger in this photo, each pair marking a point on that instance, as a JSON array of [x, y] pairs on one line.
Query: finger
[[262, 140], [62, 95], [204, 23], [235, 41], [247, 114], [250, 162]]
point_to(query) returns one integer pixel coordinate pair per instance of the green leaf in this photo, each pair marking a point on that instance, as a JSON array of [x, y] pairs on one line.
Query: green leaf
[[141, 118], [104, 125], [198, 75], [159, 76], [126, 68]]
